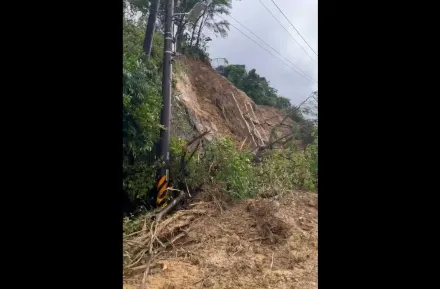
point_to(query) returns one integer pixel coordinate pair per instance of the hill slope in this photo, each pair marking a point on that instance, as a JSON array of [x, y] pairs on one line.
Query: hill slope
[[254, 243], [214, 103]]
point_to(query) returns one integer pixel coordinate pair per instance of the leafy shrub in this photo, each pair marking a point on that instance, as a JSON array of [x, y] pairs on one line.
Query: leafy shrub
[[312, 153], [221, 164], [288, 169], [141, 110], [132, 224], [199, 53], [176, 152], [255, 86]]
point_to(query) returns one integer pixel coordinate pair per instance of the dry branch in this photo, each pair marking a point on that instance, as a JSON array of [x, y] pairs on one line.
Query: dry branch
[[241, 147], [287, 137], [272, 132], [197, 138], [161, 235], [147, 268], [168, 208], [244, 120], [254, 129]]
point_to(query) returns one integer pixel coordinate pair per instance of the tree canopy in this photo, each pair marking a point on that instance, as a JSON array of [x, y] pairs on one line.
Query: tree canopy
[[255, 86]]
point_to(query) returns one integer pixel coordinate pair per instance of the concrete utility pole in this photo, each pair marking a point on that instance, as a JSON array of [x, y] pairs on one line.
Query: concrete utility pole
[[163, 150], [164, 141]]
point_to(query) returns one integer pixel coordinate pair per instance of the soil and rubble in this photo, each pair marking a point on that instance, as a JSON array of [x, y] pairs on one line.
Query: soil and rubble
[[263, 243]]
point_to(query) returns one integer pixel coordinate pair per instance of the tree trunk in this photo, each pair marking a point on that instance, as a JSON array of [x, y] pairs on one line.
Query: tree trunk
[[179, 34], [149, 31], [200, 30], [194, 28]]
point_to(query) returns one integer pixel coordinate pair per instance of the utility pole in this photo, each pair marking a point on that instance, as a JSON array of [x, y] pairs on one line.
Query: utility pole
[[149, 32], [163, 152], [164, 141]]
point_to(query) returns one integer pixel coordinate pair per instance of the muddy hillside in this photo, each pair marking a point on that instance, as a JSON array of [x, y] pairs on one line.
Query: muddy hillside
[[211, 102]]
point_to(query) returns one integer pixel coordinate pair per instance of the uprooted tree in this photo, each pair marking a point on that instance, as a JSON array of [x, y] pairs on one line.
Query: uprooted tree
[[305, 120]]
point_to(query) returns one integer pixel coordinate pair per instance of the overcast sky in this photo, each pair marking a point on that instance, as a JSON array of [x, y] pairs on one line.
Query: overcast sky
[[238, 49]]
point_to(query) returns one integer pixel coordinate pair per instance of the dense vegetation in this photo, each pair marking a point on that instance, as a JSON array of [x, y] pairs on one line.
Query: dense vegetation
[[220, 164], [141, 110], [142, 82], [190, 37], [255, 86]]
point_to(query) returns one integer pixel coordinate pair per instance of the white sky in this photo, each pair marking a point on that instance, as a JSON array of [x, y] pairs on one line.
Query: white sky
[[238, 49]]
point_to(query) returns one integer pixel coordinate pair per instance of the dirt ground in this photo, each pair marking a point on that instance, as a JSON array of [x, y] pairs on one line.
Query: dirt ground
[[265, 243]]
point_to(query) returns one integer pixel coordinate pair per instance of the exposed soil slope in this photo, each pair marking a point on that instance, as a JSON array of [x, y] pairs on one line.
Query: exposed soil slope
[[214, 103]]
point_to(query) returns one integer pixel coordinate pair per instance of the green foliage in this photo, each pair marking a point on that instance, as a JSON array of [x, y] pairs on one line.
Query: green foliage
[[286, 169], [138, 179], [218, 7], [141, 109], [255, 86], [312, 152], [198, 52], [221, 164], [176, 152], [133, 223], [192, 41], [137, 5], [283, 102]]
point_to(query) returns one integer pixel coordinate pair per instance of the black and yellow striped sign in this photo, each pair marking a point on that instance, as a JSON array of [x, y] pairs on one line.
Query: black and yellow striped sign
[[162, 185]]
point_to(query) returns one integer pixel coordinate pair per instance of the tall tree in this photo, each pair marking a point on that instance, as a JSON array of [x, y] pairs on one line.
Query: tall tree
[[183, 6], [194, 26], [216, 7]]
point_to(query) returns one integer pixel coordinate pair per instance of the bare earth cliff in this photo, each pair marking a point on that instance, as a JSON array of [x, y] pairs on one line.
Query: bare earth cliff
[[213, 103]]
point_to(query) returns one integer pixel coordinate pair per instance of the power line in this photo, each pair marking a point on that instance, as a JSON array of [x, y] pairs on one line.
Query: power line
[[273, 48], [286, 30], [265, 49], [294, 27]]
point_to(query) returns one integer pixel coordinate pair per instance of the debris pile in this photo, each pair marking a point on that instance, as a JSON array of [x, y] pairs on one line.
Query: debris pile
[[265, 243]]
